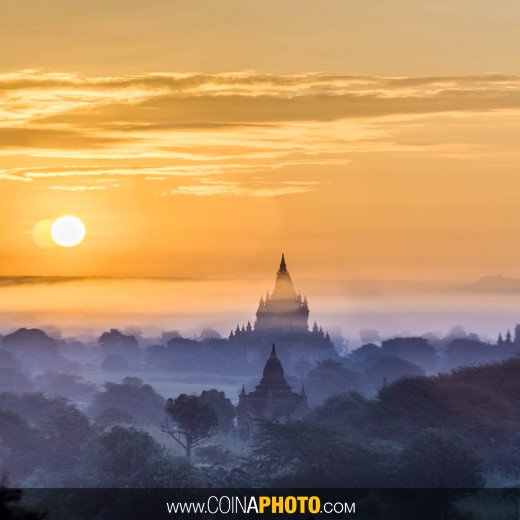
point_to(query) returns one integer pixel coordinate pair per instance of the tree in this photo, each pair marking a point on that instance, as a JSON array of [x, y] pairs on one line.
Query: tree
[[380, 367], [414, 349], [20, 445], [115, 342], [440, 459], [410, 405], [463, 351], [128, 457], [306, 454], [330, 377], [139, 400], [349, 410], [222, 406], [65, 430], [193, 421]]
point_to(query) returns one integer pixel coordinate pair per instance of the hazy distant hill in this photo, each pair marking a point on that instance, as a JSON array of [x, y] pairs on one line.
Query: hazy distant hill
[[495, 284]]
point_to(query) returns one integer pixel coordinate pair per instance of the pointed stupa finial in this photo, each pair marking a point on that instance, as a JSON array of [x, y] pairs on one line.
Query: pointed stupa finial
[[243, 391], [273, 352], [283, 265]]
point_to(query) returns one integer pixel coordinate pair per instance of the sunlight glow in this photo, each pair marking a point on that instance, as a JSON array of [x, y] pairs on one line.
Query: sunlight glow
[[68, 231]]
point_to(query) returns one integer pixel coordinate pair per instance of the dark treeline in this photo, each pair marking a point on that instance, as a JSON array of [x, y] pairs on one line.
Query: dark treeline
[[411, 411], [446, 430]]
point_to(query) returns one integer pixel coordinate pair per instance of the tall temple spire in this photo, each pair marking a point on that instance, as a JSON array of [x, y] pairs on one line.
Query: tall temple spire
[[273, 352], [283, 289], [283, 310], [283, 265]]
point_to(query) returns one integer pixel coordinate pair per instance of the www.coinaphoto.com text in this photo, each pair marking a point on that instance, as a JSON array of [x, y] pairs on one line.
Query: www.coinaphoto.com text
[[229, 505]]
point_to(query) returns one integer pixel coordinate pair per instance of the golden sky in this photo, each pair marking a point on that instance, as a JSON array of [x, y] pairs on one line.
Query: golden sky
[[372, 140]]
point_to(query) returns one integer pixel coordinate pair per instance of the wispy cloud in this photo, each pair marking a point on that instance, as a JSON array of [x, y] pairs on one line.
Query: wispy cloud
[[84, 188], [208, 188], [216, 128]]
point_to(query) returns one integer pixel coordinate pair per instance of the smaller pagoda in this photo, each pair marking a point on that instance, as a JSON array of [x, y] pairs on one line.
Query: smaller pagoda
[[272, 399]]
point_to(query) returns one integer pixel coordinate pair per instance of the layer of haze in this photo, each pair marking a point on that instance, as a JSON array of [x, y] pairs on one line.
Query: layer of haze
[[86, 307]]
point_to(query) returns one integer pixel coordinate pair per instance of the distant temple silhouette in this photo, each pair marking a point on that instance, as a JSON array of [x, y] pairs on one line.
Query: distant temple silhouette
[[272, 399], [282, 317], [509, 341], [284, 310]]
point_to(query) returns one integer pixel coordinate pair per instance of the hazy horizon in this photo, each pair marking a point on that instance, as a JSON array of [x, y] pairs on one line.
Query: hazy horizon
[[86, 307]]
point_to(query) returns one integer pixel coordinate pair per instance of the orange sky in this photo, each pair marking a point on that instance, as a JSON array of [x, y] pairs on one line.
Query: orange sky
[[398, 162]]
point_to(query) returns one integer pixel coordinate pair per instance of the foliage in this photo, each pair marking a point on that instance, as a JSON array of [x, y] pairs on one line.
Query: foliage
[[222, 406], [71, 386], [215, 455], [349, 410], [440, 459], [410, 405], [330, 377], [193, 421], [127, 457], [307, 454], [115, 342], [13, 380], [416, 350], [381, 368], [133, 397], [464, 351]]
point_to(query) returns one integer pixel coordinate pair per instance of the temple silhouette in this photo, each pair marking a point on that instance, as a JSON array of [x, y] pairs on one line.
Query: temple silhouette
[[271, 400], [282, 317]]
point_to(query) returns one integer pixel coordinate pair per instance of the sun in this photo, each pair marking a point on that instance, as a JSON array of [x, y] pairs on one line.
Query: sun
[[68, 231]]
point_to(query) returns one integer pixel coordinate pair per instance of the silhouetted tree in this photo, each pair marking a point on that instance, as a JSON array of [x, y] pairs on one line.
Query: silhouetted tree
[[384, 368], [65, 430], [71, 386], [440, 459], [414, 349], [412, 404], [36, 349], [222, 406], [115, 342], [128, 457], [8, 360], [216, 456], [306, 454], [193, 421], [139, 400], [349, 410], [363, 352], [330, 377], [463, 351], [20, 445], [13, 380]]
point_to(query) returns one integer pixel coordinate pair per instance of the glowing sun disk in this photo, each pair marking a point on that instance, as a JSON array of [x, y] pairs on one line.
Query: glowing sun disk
[[68, 231]]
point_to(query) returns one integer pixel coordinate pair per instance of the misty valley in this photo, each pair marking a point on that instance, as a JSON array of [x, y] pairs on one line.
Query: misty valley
[[279, 403]]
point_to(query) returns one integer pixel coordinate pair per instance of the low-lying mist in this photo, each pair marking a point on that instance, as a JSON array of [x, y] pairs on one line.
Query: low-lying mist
[[85, 307]]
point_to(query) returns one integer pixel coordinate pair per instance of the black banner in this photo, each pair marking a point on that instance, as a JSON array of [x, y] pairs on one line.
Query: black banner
[[159, 504]]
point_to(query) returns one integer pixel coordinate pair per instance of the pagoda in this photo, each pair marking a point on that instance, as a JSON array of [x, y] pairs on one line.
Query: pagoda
[[272, 399], [283, 318]]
